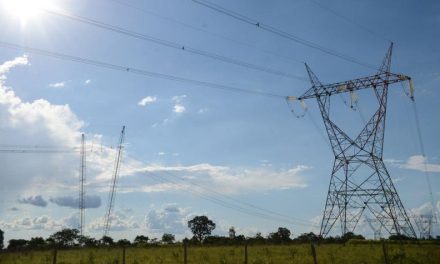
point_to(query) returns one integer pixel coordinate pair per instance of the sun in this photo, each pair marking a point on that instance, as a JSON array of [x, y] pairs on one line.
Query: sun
[[26, 10]]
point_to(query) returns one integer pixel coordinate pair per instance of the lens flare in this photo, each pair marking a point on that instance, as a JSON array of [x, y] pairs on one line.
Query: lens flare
[[26, 10]]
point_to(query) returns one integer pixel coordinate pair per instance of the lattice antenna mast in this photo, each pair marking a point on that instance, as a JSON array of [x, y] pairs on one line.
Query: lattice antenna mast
[[82, 182], [359, 180], [112, 194]]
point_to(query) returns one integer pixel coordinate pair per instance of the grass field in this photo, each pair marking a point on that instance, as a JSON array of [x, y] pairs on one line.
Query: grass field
[[261, 254]]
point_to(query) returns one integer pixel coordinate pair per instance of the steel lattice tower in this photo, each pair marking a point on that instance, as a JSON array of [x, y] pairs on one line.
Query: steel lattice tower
[[359, 180], [82, 181], [112, 194]]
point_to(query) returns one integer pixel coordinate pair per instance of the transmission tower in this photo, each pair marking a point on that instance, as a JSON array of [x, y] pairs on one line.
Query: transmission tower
[[112, 194], [82, 181], [376, 227], [424, 224], [359, 180]]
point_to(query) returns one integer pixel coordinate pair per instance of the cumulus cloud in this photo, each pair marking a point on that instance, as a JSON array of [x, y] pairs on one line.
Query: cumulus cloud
[[36, 122], [420, 163], [43, 222], [87, 82], [179, 108], [120, 221], [34, 200], [57, 84], [424, 209], [90, 201], [147, 100], [8, 65], [168, 219], [178, 103]]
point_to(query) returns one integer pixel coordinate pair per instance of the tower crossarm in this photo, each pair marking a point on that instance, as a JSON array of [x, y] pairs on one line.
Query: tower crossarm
[[378, 80]]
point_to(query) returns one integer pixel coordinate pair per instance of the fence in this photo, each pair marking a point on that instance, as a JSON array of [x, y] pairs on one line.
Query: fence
[[384, 253]]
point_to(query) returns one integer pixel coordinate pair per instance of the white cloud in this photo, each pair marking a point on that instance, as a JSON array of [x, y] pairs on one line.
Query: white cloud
[[178, 103], [203, 110], [43, 222], [8, 65], [168, 219], [41, 123], [147, 100], [161, 153], [119, 221], [179, 108], [424, 209], [420, 163], [221, 178], [57, 84], [38, 122], [86, 82]]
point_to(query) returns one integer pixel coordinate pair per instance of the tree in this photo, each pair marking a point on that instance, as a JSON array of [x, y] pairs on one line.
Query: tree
[[1, 239], [65, 237], [141, 240], [282, 235], [107, 241], [37, 242], [350, 235], [307, 237], [87, 241], [16, 244], [201, 226], [168, 238], [123, 243]]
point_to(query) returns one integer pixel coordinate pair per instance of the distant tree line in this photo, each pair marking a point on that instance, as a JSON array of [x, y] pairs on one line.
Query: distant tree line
[[200, 226]]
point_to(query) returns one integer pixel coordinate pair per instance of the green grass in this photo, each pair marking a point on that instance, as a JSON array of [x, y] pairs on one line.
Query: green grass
[[364, 253]]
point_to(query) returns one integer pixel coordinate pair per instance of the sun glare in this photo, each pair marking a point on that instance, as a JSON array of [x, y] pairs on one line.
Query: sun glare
[[26, 9]]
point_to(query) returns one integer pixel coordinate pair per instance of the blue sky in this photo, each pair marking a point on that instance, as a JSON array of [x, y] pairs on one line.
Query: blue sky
[[248, 147]]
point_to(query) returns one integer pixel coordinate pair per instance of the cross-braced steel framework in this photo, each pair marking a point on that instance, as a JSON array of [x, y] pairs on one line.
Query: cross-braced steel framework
[[424, 223], [82, 181], [359, 180]]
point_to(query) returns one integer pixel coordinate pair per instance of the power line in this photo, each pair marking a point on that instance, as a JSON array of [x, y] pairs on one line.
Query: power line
[[281, 33], [137, 71], [179, 22], [425, 165], [349, 20], [169, 44], [35, 149]]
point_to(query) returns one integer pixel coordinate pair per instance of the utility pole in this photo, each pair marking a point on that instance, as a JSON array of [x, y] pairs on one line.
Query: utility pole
[[112, 194], [359, 180]]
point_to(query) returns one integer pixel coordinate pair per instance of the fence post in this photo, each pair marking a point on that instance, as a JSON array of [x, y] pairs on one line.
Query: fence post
[[385, 253], [246, 253], [185, 261], [315, 261], [123, 255], [54, 260]]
